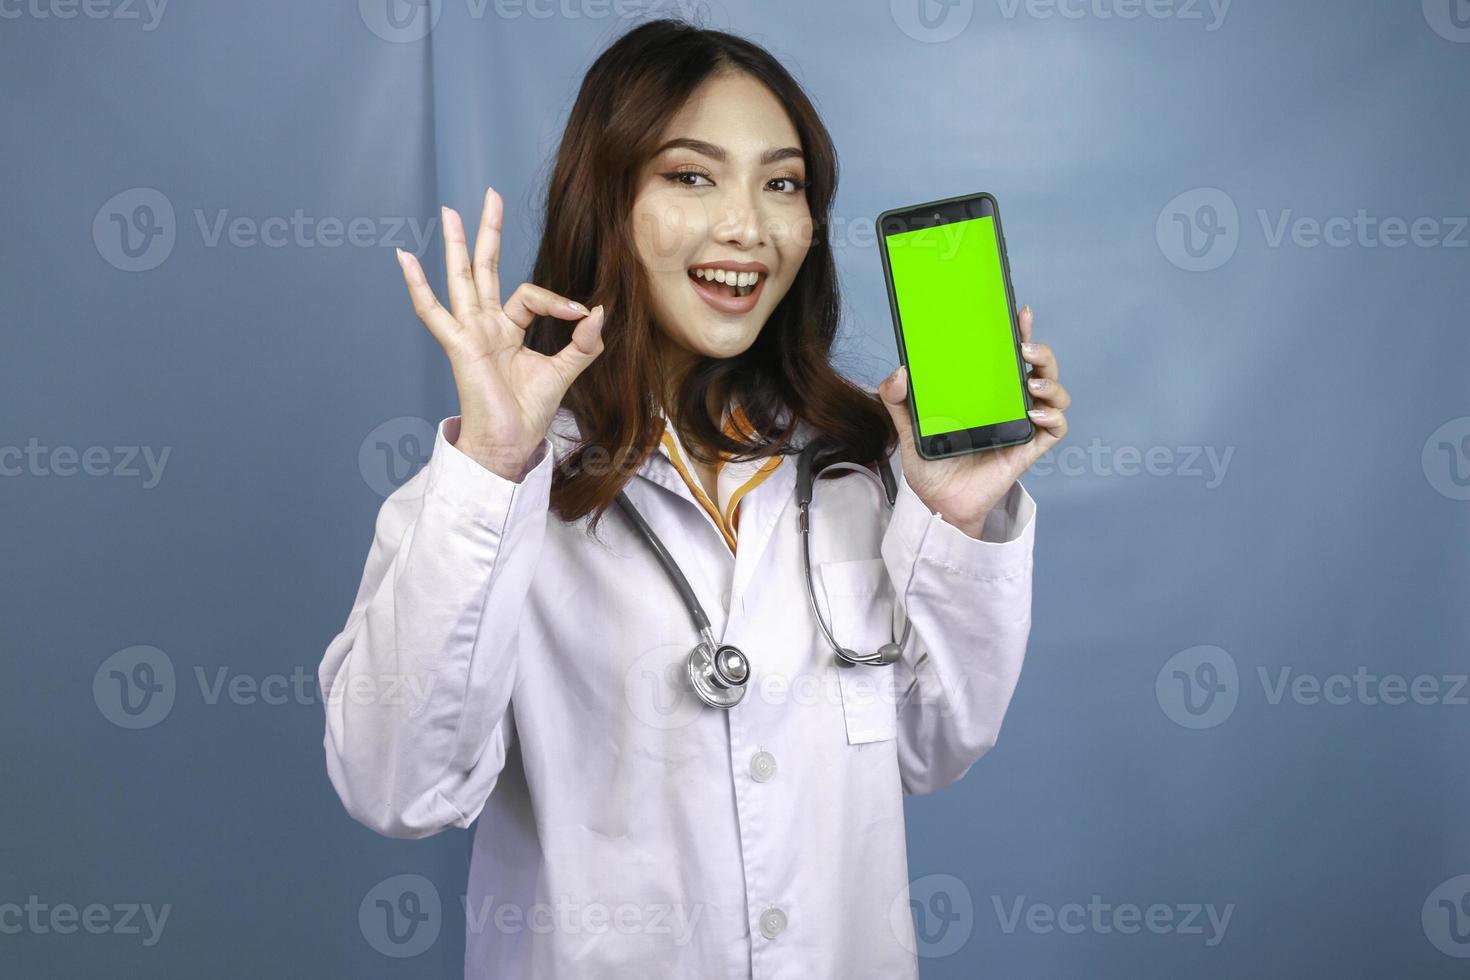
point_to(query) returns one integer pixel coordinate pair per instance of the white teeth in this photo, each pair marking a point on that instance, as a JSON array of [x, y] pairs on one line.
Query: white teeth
[[742, 283], [730, 277]]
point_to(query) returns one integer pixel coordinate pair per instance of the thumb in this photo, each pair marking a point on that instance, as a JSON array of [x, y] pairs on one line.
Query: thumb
[[895, 394]]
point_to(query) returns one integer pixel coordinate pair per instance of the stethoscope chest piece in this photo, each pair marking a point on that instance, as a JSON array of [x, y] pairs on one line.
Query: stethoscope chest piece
[[718, 673]]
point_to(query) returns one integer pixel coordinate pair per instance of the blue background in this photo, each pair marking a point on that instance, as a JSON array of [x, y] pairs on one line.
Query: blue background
[[1333, 376]]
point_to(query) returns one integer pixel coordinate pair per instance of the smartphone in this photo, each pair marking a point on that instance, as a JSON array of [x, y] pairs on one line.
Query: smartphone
[[954, 314]]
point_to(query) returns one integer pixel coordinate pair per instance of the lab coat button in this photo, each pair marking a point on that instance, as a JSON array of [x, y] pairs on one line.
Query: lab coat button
[[762, 766], [773, 922]]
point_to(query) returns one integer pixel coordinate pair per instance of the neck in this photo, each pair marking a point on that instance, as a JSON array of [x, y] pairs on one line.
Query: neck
[[674, 366]]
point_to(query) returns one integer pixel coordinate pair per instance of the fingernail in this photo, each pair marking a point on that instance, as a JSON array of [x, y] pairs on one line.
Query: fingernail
[[1026, 308], [1039, 414], [1028, 348], [577, 306], [1039, 384], [400, 254]]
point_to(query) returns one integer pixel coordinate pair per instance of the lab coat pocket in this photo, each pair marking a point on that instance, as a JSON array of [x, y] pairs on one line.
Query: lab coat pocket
[[860, 603]]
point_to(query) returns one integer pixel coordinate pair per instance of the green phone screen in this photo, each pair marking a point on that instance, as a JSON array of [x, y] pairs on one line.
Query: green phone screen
[[956, 324]]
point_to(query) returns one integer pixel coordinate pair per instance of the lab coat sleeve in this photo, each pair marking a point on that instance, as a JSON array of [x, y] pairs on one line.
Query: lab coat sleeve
[[970, 603], [417, 685]]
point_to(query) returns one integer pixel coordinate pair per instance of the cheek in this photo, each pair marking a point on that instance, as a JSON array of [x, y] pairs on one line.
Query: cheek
[[669, 233], [791, 233]]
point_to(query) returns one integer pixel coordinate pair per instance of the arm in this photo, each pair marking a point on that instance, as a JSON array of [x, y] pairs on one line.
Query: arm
[[418, 682], [970, 603]]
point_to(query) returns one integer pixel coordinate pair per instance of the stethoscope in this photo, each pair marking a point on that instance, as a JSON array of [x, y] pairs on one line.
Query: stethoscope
[[718, 672]]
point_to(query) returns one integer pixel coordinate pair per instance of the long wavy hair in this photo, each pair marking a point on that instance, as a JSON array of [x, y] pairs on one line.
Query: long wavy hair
[[588, 250]]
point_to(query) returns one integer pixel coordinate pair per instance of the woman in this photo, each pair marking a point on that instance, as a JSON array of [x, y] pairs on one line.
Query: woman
[[626, 828]]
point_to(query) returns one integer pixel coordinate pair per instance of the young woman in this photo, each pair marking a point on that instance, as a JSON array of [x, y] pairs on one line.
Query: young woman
[[626, 827]]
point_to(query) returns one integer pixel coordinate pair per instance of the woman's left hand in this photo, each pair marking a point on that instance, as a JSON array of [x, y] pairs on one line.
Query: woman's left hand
[[963, 489]]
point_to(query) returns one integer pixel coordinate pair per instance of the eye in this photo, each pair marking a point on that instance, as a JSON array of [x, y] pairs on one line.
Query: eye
[[683, 177], [792, 184]]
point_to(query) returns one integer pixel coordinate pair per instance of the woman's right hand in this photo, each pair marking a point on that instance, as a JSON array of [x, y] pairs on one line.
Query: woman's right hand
[[508, 393]]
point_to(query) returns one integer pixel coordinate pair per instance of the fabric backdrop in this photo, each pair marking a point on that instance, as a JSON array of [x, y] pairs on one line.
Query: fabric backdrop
[[1238, 746]]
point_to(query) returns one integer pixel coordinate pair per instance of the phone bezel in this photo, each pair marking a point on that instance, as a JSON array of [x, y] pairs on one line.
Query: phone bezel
[[998, 435]]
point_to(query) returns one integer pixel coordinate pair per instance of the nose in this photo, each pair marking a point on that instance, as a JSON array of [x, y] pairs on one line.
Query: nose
[[740, 220]]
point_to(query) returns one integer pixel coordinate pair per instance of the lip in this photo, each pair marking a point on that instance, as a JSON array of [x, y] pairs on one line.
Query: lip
[[733, 305]]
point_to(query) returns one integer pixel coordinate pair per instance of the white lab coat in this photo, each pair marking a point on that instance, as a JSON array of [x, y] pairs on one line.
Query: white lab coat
[[626, 830]]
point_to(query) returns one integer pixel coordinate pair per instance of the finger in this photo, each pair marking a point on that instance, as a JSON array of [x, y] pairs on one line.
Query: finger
[[530, 300], [583, 348], [462, 297], [895, 394], [487, 250], [441, 324], [1052, 420], [1041, 358], [1027, 320], [1049, 391]]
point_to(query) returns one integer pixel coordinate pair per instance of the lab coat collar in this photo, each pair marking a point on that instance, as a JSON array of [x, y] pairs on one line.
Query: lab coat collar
[[759, 509]]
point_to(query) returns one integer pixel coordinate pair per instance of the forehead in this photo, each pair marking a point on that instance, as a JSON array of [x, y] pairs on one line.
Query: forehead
[[736, 111]]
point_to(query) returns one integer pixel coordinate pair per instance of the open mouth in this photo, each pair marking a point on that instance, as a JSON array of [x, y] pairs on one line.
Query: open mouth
[[724, 282]]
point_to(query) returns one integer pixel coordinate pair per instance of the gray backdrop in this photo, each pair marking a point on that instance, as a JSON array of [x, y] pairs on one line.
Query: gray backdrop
[[1238, 747]]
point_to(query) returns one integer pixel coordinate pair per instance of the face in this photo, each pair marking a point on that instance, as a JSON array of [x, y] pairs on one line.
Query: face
[[720, 218]]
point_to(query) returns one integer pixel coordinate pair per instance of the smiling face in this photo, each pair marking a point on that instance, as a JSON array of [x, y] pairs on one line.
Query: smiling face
[[720, 219]]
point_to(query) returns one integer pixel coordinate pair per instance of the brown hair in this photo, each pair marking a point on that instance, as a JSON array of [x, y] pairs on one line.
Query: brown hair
[[587, 250]]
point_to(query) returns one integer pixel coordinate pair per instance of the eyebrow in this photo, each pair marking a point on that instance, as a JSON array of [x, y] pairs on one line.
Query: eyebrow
[[718, 153]]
